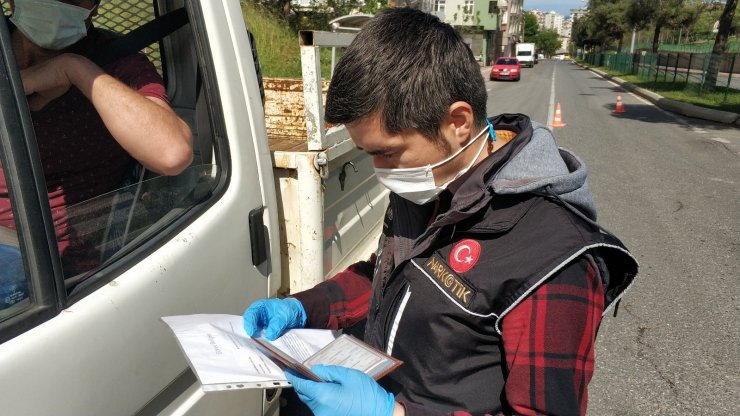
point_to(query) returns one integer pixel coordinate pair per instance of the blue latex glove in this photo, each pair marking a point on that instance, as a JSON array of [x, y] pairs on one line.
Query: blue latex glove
[[274, 315], [346, 392]]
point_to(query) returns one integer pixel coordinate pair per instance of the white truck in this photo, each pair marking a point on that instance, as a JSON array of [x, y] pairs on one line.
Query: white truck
[[525, 52], [254, 217]]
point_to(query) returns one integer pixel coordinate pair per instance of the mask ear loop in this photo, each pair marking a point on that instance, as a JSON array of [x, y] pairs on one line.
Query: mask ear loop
[[491, 131]]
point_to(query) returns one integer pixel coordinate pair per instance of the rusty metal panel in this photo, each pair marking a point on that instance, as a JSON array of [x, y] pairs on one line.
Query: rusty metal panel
[[284, 108]]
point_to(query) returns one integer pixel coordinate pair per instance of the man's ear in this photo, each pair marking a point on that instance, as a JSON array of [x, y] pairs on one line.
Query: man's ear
[[460, 120]]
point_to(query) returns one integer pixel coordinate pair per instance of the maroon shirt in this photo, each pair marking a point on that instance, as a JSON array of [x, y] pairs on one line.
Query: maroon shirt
[[81, 160]]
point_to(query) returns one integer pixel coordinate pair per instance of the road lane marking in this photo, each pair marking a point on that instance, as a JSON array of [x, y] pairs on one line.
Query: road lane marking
[[551, 110], [721, 140], [722, 180], [638, 98]]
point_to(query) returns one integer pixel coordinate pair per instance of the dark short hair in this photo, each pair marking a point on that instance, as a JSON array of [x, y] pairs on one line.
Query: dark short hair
[[409, 67]]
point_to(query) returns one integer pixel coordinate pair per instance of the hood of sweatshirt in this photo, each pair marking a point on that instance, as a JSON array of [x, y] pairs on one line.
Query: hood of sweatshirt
[[542, 167], [530, 163]]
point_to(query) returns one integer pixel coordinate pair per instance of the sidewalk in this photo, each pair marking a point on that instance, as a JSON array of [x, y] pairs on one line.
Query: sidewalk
[[674, 106]]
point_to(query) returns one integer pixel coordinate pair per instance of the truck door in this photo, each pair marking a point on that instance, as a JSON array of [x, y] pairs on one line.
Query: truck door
[[92, 343]]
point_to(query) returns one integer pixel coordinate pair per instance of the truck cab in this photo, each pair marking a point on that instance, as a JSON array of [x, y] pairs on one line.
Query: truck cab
[[210, 240]]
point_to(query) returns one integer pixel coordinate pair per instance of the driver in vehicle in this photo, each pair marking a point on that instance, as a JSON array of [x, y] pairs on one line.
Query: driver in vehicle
[[92, 124]]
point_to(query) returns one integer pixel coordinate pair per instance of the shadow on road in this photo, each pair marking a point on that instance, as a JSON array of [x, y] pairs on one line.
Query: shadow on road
[[652, 114]]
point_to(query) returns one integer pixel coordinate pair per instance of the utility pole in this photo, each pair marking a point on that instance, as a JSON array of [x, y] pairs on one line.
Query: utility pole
[[632, 45]]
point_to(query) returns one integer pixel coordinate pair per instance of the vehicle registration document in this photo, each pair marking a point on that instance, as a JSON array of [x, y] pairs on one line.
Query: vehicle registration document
[[224, 357]]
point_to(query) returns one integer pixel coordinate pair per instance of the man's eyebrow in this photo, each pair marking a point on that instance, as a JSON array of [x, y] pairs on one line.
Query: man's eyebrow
[[377, 152]]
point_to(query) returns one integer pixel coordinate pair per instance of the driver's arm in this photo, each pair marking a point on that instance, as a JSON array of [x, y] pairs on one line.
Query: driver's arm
[[146, 127]]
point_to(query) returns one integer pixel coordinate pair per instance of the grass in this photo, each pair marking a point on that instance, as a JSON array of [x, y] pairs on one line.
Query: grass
[[688, 92], [277, 44]]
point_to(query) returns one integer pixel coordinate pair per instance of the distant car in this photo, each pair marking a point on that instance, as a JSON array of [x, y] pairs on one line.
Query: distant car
[[540, 56], [506, 68]]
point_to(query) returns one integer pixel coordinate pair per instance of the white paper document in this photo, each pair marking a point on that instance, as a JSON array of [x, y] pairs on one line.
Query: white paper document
[[224, 357]]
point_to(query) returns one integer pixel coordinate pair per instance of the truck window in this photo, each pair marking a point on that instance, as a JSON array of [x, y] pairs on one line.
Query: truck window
[[107, 233], [14, 284], [104, 229], [524, 53]]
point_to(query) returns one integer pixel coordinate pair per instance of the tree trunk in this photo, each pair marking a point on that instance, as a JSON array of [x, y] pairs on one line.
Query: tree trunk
[[720, 42], [619, 44], [656, 38]]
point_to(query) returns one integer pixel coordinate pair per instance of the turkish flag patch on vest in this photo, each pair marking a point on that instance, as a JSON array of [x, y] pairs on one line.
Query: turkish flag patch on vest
[[464, 255]]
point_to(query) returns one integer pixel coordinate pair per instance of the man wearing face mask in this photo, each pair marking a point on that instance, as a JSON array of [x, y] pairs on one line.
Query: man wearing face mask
[[92, 124], [491, 276]]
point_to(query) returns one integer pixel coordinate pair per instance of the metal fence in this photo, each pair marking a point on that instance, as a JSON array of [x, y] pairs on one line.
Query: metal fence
[[732, 46], [688, 71]]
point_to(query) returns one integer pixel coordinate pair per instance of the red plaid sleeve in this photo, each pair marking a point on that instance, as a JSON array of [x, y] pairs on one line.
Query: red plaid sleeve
[[340, 301], [549, 346], [549, 343]]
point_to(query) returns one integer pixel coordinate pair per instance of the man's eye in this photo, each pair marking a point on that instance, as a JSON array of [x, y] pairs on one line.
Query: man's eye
[[386, 155]]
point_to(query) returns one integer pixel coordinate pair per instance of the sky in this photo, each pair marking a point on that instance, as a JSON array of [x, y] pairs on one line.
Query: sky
[[560, 6]]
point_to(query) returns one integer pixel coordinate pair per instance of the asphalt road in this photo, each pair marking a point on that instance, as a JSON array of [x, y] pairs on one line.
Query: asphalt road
[[669, 187]]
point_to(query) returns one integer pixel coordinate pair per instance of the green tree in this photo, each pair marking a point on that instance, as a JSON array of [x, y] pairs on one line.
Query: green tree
[[374, 6], [318, 15], [579, 34], [704, 25], [720, 42], [547, 42], [587, 33], [606, 23], [660, 14], [531, 26]]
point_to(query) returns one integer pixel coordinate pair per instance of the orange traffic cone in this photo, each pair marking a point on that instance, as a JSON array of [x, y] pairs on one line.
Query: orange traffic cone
[[620, 107], [557, 121]]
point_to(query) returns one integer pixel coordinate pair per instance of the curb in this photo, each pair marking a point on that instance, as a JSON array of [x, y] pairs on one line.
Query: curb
[[679, 107]]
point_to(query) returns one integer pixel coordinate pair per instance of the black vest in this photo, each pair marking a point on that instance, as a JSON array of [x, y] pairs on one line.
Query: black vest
[[445, 325]]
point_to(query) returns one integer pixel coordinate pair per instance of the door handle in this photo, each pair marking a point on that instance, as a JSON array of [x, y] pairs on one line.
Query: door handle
[[258, 235]]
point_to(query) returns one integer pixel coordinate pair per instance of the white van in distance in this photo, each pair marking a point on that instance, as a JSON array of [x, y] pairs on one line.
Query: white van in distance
[[525, 54]]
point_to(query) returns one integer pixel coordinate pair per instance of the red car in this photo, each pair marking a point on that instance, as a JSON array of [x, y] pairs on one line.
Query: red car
[[506, 68]]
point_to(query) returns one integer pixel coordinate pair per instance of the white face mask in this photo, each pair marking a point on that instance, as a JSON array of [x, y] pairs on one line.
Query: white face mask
[[417, 184], [50, 24]]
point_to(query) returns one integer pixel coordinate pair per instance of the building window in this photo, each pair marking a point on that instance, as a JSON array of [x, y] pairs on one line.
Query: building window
[[468, 9], [439, 5], [493, 7]]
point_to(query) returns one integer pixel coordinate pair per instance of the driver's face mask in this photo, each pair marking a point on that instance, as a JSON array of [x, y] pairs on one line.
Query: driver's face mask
[[50, 24], [417, 184]]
